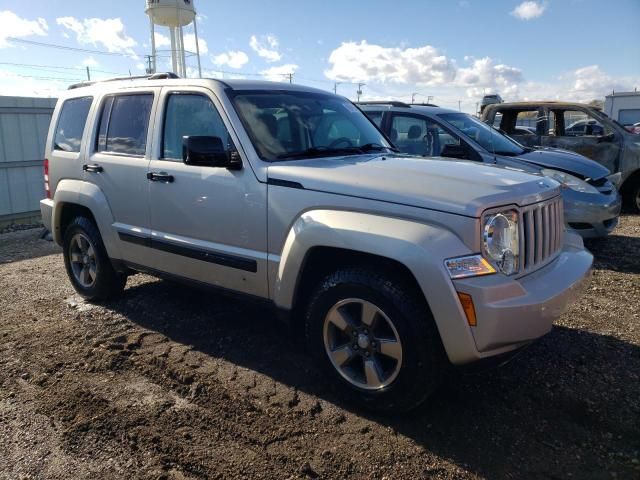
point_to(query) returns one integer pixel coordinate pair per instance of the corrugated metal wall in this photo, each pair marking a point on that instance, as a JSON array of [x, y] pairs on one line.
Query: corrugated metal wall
[[24, 123]]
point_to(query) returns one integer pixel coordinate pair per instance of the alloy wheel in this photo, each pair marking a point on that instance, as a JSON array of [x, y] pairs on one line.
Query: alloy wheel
[[362, 344], [82, 257]]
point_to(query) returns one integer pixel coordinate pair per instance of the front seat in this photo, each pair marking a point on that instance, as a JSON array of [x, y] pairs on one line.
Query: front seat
[[414, 145]]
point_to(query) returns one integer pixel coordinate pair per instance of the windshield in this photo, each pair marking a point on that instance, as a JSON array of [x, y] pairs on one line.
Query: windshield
[[290, 125], [489, 138]]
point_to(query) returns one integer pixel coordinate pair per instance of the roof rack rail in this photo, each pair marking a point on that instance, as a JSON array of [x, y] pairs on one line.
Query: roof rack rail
[[393, 103], [425, 104], [154, 76]]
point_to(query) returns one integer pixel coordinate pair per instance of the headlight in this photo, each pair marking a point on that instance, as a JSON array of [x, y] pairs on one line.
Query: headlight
[[615, 179], [569, 181], [501, 241]]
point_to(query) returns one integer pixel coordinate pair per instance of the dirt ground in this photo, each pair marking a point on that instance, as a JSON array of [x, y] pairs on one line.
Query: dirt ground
[[170, 383]]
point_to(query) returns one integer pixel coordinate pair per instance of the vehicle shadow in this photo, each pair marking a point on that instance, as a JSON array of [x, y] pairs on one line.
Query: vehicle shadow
[[553, 411], [618, 253]]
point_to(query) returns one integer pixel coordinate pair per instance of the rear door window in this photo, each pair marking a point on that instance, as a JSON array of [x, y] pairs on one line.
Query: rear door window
[[71, 124], [124, 123]]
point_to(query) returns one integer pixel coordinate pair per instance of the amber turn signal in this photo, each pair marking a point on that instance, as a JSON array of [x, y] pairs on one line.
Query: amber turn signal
[[469, 309]]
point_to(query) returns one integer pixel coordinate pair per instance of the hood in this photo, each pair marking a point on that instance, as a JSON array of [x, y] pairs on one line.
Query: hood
[[452, 186], [569, 162]]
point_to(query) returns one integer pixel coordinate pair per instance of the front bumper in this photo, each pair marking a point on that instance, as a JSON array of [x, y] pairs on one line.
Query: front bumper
[[512, 312], [592, 215]]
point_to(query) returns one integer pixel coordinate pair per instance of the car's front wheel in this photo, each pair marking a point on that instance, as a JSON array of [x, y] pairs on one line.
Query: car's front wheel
[[87, 263], [376, 338]]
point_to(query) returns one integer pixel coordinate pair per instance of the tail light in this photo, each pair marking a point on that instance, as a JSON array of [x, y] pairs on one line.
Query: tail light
[[47, 188]]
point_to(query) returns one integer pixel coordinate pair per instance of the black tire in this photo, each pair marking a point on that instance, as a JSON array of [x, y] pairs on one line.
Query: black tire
[[631, 196], [424, 362], [107, 283]]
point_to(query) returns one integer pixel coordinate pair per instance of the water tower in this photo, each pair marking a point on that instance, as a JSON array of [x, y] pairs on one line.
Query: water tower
[[174, 14]]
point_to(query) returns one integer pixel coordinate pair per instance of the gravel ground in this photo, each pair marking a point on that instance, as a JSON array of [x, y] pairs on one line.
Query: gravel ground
[[172, 383]]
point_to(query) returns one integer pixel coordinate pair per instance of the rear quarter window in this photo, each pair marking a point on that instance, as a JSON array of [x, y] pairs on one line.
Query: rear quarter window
[[71, 124]]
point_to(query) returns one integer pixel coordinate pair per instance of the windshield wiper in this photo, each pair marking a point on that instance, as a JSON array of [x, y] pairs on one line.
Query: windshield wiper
[[371, 147], [319, 152], [328, 151]]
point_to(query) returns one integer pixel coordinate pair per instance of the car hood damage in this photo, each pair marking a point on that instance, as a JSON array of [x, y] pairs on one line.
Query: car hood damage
[[452, 186]]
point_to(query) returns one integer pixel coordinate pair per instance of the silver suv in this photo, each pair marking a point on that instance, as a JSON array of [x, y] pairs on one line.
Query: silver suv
[[392, 268]]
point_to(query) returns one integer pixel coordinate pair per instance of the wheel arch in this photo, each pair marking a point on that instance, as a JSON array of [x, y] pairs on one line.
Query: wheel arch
[[76, 197], [321, 239]]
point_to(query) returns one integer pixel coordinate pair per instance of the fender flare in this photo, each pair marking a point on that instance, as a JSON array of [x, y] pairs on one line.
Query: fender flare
[[90, 196], [420, 247]]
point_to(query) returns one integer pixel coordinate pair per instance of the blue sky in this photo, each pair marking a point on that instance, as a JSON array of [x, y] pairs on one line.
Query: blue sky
[[454, 50]]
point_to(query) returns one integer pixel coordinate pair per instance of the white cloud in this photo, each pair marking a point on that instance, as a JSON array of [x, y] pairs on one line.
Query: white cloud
[[162, 40], [266, 46], [279, 73], [484, 74], [90, 62], [108, 33], [11, 25], [190, 44], [233, 59], [363, 61], [528, 10]]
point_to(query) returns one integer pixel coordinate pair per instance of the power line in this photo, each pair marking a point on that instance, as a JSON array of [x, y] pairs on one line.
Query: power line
[[73, 49], [53, 68]]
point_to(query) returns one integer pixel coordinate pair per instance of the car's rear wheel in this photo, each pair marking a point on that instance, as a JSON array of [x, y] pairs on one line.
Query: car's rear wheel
[[375, 337], [87, 263]]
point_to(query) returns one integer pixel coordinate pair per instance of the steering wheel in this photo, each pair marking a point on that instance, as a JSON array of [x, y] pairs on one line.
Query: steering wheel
[[340, 140]]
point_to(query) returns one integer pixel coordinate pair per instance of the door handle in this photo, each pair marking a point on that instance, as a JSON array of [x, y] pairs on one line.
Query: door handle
[[93, 168], [160, 177]]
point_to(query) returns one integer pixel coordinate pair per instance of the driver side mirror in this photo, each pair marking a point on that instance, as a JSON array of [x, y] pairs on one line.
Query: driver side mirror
[[454, 151], [209, 152]]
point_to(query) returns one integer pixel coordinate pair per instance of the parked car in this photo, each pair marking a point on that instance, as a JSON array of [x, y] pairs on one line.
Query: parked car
[[591, 201], [602, 139], [391, 268], [489, 100]]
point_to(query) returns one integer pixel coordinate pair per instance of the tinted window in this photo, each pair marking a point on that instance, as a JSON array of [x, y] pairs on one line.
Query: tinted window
[[419, 136], [124, 123], [376, 117], [73, 118], [190, 115]]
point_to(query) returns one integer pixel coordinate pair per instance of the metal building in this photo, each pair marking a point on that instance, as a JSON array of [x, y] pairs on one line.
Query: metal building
[[24, 124]]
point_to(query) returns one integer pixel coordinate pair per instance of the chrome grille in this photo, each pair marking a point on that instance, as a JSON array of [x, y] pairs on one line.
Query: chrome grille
[[542, 233]]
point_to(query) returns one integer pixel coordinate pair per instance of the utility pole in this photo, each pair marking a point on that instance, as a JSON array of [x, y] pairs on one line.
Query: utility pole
[[413, 97], [359, 92], [335, 87], [290, 75], [150, 67], [88, 74], [430, 98], [459, 105]]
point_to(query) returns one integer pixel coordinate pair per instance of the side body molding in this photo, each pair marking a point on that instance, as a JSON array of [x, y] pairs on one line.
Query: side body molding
[[420, 247], [88, 195]]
